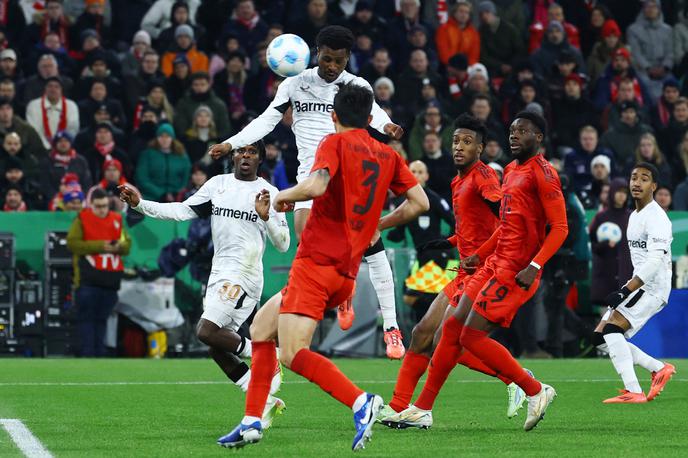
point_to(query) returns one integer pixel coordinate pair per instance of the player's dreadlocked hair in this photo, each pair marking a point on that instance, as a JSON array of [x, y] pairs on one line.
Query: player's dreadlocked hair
[[335, 37], [466, 121], [537, 120], [650, 168], [260, 146], [352, 104]]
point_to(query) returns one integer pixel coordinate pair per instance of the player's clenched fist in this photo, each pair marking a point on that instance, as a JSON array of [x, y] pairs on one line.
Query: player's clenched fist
[[128, 195], [263, 204], [393, 130], [281, 204], [470, 263], [220, 150]]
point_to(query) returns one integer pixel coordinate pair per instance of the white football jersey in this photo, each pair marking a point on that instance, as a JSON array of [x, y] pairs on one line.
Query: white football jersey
[[237, 230], [311, 99], [649, 232]]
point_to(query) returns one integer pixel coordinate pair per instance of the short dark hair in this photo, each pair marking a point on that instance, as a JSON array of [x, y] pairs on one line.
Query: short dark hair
[[200, 76], [466, 121], [98, 193], [535, 118], [649, 167], [335, 37], [353, 104], [260, 146], [481, 97]]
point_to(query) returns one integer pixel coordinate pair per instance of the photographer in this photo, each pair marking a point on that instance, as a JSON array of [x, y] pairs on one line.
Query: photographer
[[98, 241]]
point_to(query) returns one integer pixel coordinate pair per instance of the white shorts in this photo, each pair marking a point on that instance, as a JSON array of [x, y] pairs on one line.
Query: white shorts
[[308, 204], [638, 308], [227, 305]]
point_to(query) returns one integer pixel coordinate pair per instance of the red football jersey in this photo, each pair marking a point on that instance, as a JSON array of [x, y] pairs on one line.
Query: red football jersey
[[532, 198], [343, 220], [475, 221]]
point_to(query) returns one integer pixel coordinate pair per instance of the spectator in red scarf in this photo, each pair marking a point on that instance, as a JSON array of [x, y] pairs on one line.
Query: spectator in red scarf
[[14, 200], [604, 49], [105, 149], [93, 18], [53, 112], [661, 112], [63, 160], [112, 177], [52, 20]]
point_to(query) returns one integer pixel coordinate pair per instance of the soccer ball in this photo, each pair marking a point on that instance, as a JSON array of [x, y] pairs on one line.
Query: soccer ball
[[609, 232], [288, 55]]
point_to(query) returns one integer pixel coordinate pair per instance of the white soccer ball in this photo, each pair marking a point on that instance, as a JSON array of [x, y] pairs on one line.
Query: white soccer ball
[[288, 55], [609, 232]]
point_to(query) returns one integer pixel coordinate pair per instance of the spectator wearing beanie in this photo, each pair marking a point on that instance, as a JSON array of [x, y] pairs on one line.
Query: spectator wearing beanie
[[458, 35], [624, 138], [179, 16], [553, 45], [180, 80], [63, 159], [592, 27], [13, 199], [53, 112], [105, 149], [99, 95], [201, 94], [650, 40], [112, 178], [184, 43], [133, 58], [13, 175], [72, 201], [198, 138], [93, 17], [608, 84], [68, 183], [164, 168], [603, 50], [501, 45], [661, 113], [539, 29], [247, 25], [158, 17], [571, 113]]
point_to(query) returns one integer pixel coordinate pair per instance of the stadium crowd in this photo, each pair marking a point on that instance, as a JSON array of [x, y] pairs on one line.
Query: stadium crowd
[[94, 94]]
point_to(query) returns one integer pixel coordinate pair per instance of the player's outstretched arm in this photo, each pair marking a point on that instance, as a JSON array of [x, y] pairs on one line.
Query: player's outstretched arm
[[416, 203], [175, 211], [275, 223], [259, 127], [310, 188]]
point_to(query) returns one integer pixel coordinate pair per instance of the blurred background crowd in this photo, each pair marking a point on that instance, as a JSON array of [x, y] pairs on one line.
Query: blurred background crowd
[[97, 93]]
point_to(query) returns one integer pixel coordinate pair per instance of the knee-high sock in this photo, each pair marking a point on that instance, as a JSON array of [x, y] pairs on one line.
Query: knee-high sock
[[644, 360], [471, 361], [412, 369], [262, 369], [622, 359], [326, 375], [498, 358], [443, 361], [383, 281]]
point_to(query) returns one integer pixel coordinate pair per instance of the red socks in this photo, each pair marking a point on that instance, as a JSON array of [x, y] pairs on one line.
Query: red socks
[[325, 374], [498, 358], [263, 361], [471, 361], [443, 361], [412, 369]]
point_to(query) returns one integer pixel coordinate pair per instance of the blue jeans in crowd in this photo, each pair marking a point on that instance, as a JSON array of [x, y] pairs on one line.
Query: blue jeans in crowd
[[94, 306]]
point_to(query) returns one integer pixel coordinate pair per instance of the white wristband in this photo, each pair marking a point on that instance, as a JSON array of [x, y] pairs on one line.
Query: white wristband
[[536, 265]]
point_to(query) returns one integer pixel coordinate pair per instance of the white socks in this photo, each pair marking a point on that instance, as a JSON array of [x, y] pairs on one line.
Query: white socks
[[383, 281], [644, 360], [243, 381], [246, 348], [359, 402], [622, 359]]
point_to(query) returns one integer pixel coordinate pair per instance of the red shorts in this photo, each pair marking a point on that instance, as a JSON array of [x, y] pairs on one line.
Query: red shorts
[[474, 283], [500, 297], [455, 288], [311, 289]]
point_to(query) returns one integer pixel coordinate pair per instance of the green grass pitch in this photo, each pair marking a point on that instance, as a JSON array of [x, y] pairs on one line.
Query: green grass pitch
[[170, 408]]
